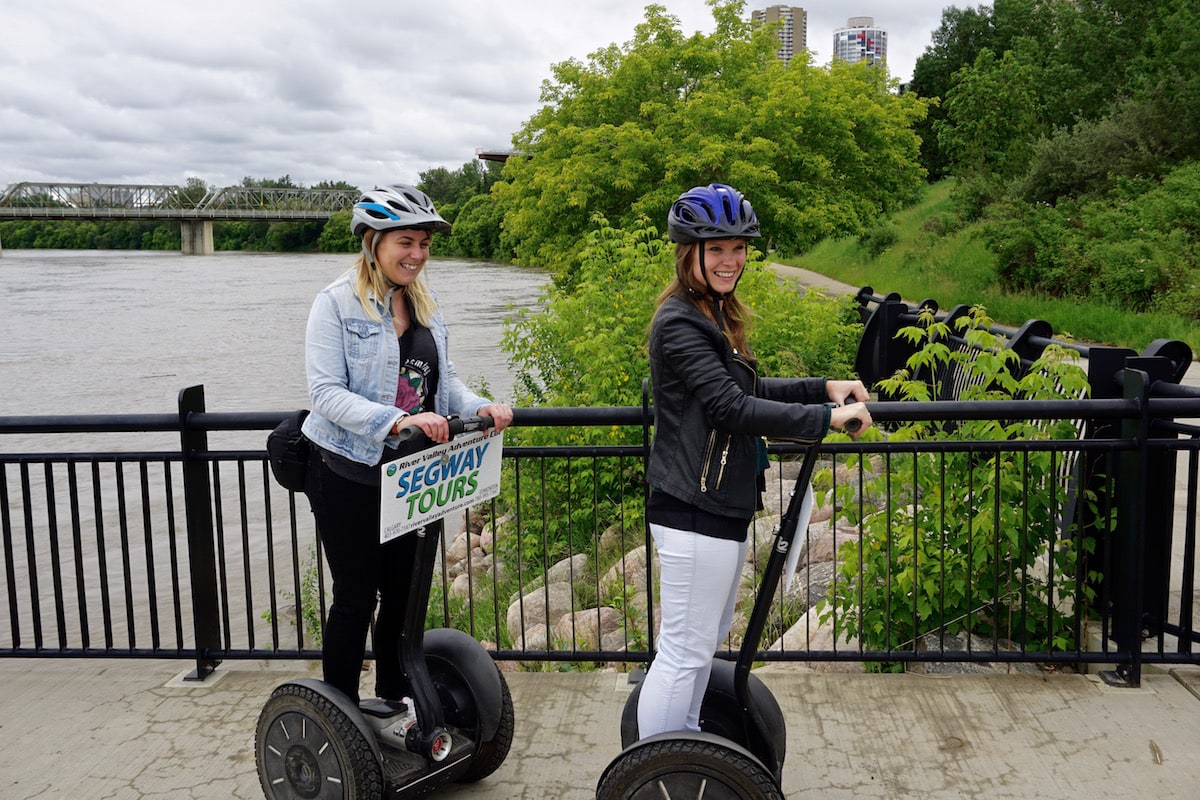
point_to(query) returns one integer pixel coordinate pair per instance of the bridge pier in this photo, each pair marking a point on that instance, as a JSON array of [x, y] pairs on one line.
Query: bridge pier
[[196, 236]]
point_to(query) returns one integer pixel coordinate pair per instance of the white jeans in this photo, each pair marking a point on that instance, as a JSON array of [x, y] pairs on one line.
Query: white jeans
[[700, 576]]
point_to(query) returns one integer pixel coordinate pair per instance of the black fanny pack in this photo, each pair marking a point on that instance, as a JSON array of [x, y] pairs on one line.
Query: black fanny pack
[[288, 450]]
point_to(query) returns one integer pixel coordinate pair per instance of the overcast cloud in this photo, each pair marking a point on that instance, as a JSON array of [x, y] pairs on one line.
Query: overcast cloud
[[135, 91]]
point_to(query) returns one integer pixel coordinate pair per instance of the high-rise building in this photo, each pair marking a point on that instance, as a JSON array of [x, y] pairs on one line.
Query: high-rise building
[[793, 33], [860, 40]]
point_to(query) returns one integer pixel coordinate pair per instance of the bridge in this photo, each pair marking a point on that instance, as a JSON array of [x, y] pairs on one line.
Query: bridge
[[195, 208]]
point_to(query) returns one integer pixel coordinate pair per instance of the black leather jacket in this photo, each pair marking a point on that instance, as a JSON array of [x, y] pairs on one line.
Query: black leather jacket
[[710, 407]]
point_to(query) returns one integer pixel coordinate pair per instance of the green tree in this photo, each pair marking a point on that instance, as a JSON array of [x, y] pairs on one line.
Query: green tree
[[957, 42], [992, 119], [820, 152]]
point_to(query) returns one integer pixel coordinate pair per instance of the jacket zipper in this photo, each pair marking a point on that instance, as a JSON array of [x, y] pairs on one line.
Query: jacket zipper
[[708, 450], [707, 465], [712, 437]]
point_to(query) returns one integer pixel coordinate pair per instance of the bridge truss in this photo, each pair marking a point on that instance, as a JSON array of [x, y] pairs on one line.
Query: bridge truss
[[156, 201]]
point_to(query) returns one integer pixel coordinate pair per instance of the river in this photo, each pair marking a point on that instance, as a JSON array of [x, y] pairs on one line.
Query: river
[[90, 332]]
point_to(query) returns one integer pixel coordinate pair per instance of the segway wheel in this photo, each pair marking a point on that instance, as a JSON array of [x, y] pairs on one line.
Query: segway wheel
[[686, 768], [458, 706], [306, 747], [721, 714]]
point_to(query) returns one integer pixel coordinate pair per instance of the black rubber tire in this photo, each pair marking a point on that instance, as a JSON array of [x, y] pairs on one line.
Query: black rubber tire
[[458, 706], [721, 714], [306, 748], [686, 768]]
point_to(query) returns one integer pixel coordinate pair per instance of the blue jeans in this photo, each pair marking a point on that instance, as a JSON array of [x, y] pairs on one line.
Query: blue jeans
[[698, 591]]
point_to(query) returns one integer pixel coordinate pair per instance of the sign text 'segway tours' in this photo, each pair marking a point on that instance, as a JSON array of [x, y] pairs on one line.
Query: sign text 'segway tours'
[[433, 483]]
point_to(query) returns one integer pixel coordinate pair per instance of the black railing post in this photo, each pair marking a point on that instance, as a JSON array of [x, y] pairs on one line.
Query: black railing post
[[202, 561], [1128, 564], [1159, 497], [647, 424]]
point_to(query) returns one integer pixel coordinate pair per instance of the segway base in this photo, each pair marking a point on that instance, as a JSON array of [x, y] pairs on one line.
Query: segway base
[[408, 774]]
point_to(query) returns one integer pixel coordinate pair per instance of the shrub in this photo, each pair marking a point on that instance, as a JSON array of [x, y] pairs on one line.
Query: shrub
[[978, 549]]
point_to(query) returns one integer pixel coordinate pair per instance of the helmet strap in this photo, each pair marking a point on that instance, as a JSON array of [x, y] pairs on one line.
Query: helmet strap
[[718, 298], [370, 254]]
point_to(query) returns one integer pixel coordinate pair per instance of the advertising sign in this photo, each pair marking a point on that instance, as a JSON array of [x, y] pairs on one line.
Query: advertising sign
[[426, 486]]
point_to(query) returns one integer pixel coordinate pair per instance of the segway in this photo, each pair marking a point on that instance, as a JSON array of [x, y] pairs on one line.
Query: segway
[[313, 743], [738, 753]]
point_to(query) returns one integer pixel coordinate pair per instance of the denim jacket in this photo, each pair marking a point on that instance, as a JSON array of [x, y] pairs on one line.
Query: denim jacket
[[353, 365]]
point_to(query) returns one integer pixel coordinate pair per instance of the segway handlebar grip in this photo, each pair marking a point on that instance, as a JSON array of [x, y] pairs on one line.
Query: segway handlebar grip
[[457, 425]]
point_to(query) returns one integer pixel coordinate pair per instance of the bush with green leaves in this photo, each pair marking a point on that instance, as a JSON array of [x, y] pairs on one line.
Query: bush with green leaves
[[1138, 248], [971, 539]]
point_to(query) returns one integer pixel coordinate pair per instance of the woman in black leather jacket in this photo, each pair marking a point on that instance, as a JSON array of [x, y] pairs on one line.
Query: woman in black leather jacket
[[711, 410]]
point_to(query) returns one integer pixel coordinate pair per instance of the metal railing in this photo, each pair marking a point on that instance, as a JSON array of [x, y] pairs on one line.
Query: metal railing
[[189, 551]]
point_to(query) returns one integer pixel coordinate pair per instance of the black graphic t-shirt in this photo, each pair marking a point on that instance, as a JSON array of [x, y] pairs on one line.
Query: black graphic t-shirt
[[415, 390], [417, 384]]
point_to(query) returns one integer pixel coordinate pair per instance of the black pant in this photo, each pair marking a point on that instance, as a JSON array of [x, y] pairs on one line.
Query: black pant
[[363, 571]]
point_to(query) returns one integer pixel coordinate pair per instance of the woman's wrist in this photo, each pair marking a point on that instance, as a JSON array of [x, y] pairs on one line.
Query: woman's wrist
[[395, 431]]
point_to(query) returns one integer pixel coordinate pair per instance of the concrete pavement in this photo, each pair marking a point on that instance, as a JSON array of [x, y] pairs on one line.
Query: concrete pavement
[[133, 730]]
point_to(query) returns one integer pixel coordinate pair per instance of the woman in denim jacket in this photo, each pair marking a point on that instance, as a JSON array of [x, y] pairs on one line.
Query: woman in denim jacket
[[711, 410], [377, 361]]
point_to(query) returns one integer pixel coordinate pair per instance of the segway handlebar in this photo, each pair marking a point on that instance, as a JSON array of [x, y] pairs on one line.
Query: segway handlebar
[[457, 425]]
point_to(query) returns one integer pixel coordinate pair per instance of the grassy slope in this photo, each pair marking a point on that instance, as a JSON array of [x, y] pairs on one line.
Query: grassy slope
[[957, 268]]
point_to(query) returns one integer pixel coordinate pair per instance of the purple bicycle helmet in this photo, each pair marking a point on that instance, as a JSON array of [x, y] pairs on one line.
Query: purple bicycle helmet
[[386, 208], [715, 211]]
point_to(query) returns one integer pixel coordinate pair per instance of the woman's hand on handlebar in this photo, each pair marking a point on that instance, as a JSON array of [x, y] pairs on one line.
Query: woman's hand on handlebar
[[501, 414], [853, 419], [841, 392], [434, 426]]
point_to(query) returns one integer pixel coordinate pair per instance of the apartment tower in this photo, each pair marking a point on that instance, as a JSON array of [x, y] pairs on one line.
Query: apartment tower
[[793, 33], [860, 40]]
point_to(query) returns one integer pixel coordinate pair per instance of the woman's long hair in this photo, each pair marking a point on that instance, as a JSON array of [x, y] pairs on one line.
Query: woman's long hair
[[369, 279], [684, 284]]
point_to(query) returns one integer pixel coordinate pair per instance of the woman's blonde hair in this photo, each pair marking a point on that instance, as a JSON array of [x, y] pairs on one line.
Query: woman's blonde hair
[[369, 279], [735, 314]]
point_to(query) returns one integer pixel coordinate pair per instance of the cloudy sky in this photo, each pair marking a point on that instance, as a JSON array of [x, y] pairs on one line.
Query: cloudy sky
[[159, 91]]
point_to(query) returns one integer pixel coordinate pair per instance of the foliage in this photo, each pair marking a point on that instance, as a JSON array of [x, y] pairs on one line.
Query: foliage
[[991, 117], [956, 43], [1105, 71], [336, 236], [879, 238], [450, 189], [476, 231], [978, 547], [818, 151], [1137, 248], [307, 606]]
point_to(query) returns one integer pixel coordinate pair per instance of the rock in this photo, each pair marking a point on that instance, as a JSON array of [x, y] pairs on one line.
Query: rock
[[629, 571], [568, 570], [823, 543], [810, 584], [587, 628], [809, 634], [538, 606], [938, 641]]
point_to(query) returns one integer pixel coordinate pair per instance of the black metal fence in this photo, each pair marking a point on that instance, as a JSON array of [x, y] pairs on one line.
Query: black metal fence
[[189, 550]]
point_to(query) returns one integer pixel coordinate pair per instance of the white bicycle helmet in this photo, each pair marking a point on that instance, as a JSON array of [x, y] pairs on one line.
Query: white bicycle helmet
[[386, 208]]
